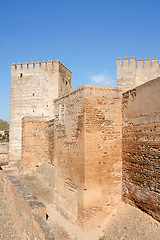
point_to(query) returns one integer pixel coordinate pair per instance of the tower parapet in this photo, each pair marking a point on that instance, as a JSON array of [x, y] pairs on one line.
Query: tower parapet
[[130, 74]]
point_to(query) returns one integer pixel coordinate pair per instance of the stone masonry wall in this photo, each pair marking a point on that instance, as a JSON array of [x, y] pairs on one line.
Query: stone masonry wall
[[141, 147], [51, 141], [103, 153], [87, 154], [33, 89], [130, 75], [34, 143], [69, 155], [28, 213], [4, 153]]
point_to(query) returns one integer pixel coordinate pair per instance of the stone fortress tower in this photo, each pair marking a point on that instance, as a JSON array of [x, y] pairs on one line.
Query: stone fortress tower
[[33, 89], [130, 75]]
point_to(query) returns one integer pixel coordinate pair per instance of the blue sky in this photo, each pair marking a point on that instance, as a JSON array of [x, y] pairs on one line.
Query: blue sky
[[87, 36]]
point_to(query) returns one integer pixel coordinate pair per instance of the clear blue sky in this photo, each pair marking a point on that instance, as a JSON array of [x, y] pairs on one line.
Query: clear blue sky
[[87, 36]]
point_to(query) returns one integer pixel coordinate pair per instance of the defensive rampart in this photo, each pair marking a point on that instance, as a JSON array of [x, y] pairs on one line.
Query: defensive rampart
[[141, 147], [130, 74], [34, 143], [87, 154]]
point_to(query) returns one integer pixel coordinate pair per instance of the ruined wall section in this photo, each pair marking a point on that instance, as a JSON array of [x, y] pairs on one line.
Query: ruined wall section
[[34, 143], [130, 74], [33, 89], [87, 154], [141, 147]]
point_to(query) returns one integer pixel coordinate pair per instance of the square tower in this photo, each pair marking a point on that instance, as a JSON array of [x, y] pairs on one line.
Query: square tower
[[33, 89]]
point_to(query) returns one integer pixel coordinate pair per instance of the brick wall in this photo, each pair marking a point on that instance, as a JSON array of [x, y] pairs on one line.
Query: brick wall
[[141, 147], [34, 143], [87, 154], [69, 154], [103, 153], [51, 141]]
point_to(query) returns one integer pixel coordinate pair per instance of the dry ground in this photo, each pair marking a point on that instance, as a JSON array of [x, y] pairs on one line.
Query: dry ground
[[126, 223]]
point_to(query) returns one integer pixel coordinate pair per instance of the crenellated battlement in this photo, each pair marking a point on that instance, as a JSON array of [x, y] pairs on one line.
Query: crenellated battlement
[[48, 66], [131, 73], [140, 62]]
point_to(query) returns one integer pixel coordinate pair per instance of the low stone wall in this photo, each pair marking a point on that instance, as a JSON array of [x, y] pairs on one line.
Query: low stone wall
[[141, 147], [28, 213], [4, 148]]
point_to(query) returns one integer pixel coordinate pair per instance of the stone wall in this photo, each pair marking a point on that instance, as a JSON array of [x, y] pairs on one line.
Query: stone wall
[[28, 213], [33, 89], [141, 147], [130, 75], [4, 153], [51, 141], [34, 143], [87, 154]]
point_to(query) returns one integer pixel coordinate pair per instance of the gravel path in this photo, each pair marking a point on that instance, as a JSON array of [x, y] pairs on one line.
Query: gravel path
[[7, 228]]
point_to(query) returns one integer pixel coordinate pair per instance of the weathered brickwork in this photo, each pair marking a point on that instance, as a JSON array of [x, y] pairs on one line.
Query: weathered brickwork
[[130, 74], [87, 154], [51, 141], [33, 89], [34, 143], [141, 147], [69, 154], [103, 153]]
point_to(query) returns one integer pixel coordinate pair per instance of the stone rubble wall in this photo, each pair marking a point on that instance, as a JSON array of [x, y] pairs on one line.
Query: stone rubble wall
[[141, 147]]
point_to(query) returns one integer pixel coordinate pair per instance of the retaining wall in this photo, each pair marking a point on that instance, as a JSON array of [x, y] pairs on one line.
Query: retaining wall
[[28, 213]]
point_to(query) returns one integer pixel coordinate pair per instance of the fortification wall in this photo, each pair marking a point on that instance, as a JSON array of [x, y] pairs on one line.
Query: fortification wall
[[34, 143], [69, 155], [141, 147], [51, 141], [103, 153], [33, 89], [130, 75], [87, 154], [4, 149]]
